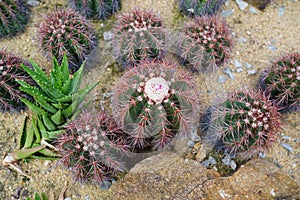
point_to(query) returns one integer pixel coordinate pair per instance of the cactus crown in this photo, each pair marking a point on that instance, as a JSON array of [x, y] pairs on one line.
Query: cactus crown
[[90, 147], [194, 8], [205, 43], [96, 9], [153, 103], [139, 36], [10, 70], [67, 32], [246, 123], [14, 16], [282, 81]]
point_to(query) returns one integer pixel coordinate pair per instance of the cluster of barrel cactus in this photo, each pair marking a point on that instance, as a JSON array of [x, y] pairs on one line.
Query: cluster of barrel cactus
[[205, 43], [66, 32], [282, 81], [56, 100], [14, 15], [153, 103], [10, 70], [194, 8], [246, 123], [139, 36], [90, 146], [96, 9]]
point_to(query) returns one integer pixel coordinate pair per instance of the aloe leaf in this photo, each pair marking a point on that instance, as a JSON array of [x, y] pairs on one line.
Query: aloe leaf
[[66, 99], [58, 105], [29, 137], [25, 153], [77, 79], [48, 123], [54, 134], [65, 69], [23, 133], [37, 110], [36, 130], [43, 157], [38, 69], [57, 118], [55, 75], [66, 87], [46, 152]]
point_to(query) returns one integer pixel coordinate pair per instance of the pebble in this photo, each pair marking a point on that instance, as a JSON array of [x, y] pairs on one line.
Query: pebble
[[281, 11], [226, 13], [205, 163], [242, 4], [286, 137], [271, 47], [287, 147], [253, 10], [239, 70], [237, 64], [227, 71], [212, 161], [262, 154], [247, 65], [108, 35], [251, 72], [68, 198], [190, 143], [226, 3], [232, 165], [33, 3], [221, 79], [242, 40], [105, 185], [226, 160]]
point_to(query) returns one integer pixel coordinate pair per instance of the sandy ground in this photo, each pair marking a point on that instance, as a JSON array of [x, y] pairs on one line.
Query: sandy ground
[[266, 35]]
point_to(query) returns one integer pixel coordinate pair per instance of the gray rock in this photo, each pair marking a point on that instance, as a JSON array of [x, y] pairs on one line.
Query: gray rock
[[251, 72], [226, 13], [247, 65], [237, 64], [232, 165], [242, 40], [68, 198], [33, 3], [108, 35], [227, 71], [105, 185], [242, 4], [287, 147], [285, 137], [227, 3], [221, 79], [253, 10], [262, 154], [226, 160], [191, 143], [205, 163], [281, 11], [212, 161], [239, 70], [271, 47]]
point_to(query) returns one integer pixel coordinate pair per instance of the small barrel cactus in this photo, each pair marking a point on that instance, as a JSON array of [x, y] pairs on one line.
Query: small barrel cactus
[[90, 147], [153, 103], [246, 124], [194, 8], [10, 70], [205, 43], [139, 36], [66, 32], [96, 9], [282, 82], [14, 15]]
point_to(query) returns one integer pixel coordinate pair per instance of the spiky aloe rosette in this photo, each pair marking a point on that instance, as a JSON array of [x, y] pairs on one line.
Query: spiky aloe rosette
[[205, 43], [155, 102], [194, 8], [66, 32], [14, 15], [282, 81], [10, 70], [57, 99], [246, 123], [91, 147], [96, 9], [139, 36]]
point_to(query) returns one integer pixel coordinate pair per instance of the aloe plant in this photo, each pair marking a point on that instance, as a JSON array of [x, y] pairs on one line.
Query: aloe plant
[[57, 99]]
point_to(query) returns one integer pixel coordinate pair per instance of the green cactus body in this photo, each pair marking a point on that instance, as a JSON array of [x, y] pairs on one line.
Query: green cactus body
[[56, 100], [67, 32], [14, 16], [139, 36], [10, 70], [246, 123], [96, 9], [194, 8], [282, 82], [155, 102], [205, 43]]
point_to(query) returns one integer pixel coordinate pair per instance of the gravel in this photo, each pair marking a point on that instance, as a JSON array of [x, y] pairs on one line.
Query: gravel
[[242, 4]]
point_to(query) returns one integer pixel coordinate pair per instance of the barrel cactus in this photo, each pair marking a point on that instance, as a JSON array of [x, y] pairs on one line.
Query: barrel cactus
[[14, 15], [205, 43], [139, 36], [282, 81], [66, 32], [245, 124], [10, 70], [90, 147], [155, 102], [194, 8], [96, 9]]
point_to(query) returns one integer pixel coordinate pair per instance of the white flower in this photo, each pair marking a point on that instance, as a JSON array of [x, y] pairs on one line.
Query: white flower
[[156, 89]]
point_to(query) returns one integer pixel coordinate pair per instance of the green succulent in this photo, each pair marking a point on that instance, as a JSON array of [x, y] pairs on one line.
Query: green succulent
[[38, 197], [57, 99]]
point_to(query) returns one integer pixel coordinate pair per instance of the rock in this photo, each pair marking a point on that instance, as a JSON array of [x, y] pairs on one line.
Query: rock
[[33, 3], [251, 72], [212, 161], [271, 47], [242, 40], [226, 3], [239, 70], [237, 64], [253, 10], [167, 176], [226, 160], [108, 35], [242, 4], [247, 65], [221, 79], [226, 13], [281, 11], [232, 165], [260, 4], [227, 71], [287, 147]]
